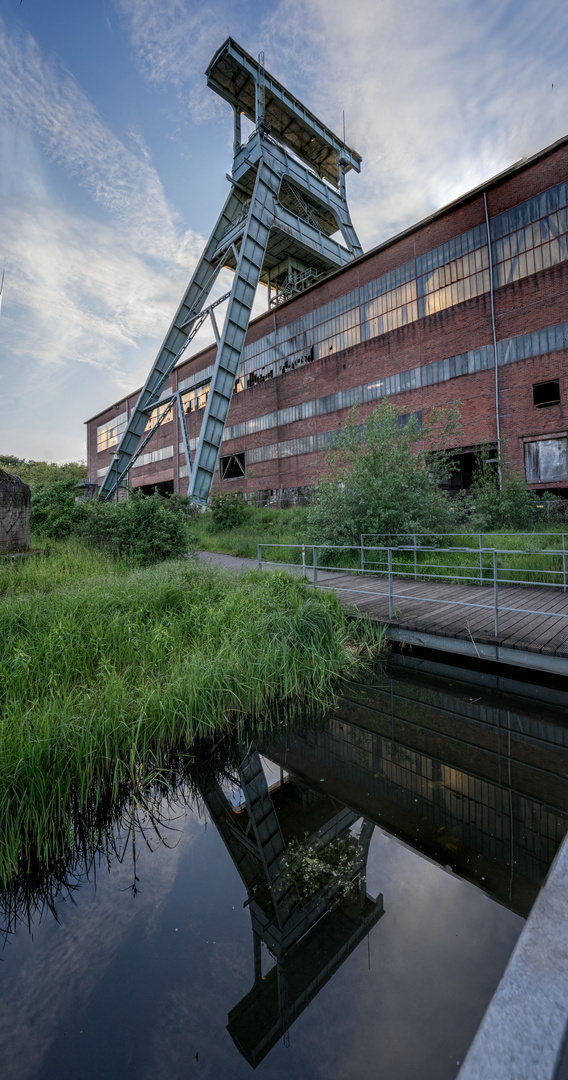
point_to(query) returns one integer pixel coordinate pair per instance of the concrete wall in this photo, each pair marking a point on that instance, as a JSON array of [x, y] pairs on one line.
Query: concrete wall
[[14, 513]]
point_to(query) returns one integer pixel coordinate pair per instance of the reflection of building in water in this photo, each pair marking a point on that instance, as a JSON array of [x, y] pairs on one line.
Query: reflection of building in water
[[481, 788], [309, 939]]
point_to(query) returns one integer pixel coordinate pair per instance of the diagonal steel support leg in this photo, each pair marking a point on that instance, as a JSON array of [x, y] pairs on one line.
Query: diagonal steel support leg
[[193, 302], [247, 276]]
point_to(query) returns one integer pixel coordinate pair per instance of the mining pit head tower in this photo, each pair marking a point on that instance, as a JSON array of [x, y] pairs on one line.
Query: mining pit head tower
[[278, 225]]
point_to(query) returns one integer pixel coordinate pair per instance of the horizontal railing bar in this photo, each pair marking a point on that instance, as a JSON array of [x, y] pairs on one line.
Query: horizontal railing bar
[[451, 603], [427, 577], [412, 549]]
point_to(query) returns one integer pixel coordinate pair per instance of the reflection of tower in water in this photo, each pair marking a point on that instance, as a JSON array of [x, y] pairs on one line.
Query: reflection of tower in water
[[309, 936]]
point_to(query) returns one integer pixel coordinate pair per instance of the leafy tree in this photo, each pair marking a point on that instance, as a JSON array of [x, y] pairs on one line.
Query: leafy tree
[[42, 473], [384, 478]]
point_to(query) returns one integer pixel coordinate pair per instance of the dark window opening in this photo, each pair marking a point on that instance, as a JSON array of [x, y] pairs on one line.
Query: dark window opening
[[546, 394], [232, 467], [463, 466], [165, 487], [404, 418]]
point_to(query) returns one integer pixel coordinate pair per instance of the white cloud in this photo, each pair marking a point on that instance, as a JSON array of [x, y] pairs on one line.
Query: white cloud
[[46, 100], [82, 312], [437, 97], [173, 41]]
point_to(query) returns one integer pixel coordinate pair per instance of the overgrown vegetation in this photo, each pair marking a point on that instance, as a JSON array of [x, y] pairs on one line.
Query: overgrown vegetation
[[227, 510], [506, 505], [142, 529], [41, 473], [101, 675], [262, 524], [384, 478]]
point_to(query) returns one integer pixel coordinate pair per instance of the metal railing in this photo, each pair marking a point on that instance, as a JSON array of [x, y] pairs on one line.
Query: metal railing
[[479, 547], [489, 573]]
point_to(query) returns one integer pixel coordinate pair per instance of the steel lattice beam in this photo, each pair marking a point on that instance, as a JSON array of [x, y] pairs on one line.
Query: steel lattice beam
[[249, 237]]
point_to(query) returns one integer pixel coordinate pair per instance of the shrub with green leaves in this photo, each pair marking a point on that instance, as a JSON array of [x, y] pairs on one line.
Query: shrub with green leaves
[[228, 510], [382, 477], [143, 529], [54, 511], [506, 506]]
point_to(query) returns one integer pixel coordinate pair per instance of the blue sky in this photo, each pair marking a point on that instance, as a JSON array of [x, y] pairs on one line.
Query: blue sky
[[113, 156]]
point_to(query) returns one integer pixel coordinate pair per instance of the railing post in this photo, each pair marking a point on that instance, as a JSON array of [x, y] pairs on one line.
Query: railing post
[[389, 556], [564, 561], [362, 554], [495, 594], [259, 557], [415, 556], [480, 559], [315, 560], [303, 560]]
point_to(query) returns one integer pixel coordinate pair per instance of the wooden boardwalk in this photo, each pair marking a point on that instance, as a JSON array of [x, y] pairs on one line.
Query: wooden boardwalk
[[534, 636], [441, 610]]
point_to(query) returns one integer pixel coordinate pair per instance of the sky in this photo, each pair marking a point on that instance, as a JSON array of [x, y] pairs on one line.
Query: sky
[[113, 155]]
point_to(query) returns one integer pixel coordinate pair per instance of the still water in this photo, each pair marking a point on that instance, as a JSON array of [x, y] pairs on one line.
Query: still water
[[198, 945]]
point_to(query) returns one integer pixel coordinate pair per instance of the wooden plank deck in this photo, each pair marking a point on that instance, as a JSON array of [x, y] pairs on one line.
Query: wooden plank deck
[[536, 626]]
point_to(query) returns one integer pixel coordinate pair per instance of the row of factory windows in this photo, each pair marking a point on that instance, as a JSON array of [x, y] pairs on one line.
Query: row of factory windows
[[150, 458], [108, 434], [522, 347], [526, 239], [546, 460]]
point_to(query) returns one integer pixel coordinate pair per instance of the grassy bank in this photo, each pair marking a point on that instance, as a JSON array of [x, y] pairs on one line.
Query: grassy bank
[[267, 525], [104, 670]]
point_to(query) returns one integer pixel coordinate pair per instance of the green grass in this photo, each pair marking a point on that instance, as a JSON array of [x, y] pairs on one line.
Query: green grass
[[104, 671], [62, 564], [288, 528], [266, 525]]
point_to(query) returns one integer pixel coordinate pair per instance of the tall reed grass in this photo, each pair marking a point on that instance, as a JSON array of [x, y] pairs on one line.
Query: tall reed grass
[[98, 676]]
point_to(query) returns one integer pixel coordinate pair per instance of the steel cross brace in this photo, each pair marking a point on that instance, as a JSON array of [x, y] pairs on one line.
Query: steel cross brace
[[267, 165]]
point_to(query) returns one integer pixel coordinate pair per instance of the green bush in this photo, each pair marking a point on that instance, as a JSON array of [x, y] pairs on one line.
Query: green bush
[[227, 511], [383, 478], [143, 529], [509, 506], [54, 512]]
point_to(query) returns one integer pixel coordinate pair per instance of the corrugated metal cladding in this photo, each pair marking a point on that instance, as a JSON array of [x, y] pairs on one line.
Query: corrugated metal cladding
[[419, 331]]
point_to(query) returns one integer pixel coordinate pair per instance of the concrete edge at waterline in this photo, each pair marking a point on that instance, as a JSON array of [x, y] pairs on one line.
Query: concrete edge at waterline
[[523, 1033]]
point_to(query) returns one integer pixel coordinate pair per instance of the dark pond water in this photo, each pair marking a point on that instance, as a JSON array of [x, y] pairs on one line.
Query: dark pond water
[[197, 946]]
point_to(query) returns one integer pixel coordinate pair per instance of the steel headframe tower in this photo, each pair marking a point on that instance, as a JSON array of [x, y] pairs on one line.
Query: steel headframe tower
[[287, 200]]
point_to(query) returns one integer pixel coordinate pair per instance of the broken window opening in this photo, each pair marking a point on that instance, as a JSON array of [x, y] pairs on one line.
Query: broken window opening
[[546, 394], [232, 466]]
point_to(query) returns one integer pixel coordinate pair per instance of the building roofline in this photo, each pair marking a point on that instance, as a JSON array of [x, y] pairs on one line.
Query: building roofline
[[462, 200]]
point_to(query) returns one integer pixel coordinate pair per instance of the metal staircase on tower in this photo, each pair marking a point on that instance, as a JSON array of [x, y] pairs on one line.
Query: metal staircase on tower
[[278, 227]]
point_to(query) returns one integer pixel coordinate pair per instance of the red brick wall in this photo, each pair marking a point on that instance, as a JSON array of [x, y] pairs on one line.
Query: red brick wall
[[530, 304]]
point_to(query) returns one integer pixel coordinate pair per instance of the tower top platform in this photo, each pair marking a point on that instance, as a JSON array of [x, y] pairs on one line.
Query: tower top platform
[[235, 76]]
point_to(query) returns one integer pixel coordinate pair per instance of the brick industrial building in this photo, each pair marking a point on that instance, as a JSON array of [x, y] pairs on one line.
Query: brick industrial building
[[418, 318]]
